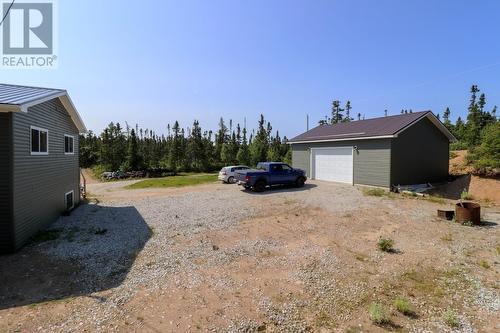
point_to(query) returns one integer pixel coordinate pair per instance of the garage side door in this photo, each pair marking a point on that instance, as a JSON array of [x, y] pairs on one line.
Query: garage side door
[[332, 164]]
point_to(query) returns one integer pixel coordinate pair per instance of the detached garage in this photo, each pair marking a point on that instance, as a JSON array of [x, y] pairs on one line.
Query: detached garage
[[396, 150]]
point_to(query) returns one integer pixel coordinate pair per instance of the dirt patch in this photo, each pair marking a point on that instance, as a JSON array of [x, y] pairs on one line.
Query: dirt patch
[[481, 188], [485, 189], [89, 177]]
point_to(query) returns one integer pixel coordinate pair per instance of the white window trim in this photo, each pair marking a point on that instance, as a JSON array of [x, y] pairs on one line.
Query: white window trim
[[72, 137], [66, 200], [34, 153]]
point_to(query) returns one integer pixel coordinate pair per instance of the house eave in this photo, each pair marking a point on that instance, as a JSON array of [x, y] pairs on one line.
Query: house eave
[[63, 97]]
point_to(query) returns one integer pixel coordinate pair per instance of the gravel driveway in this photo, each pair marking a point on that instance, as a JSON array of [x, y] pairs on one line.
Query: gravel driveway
[[216, 258]]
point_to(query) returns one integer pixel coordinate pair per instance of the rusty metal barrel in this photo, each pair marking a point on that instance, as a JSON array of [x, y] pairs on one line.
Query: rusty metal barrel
[[468, 212]]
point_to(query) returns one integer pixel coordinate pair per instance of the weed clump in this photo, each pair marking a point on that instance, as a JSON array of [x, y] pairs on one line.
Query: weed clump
[[375, 192], [46, 235], [403, 306], [484, 264], [378, 314], [385, 244], [451, 319], [465, 195]]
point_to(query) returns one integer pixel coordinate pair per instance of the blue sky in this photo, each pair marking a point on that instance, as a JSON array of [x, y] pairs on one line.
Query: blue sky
[[152, 62]]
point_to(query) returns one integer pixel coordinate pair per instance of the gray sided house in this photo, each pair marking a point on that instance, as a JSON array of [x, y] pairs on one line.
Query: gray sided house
[[39, 169], [395, 150]]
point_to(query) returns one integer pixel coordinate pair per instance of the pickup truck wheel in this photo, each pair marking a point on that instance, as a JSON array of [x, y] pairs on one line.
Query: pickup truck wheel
[[260, 186], [231, 180], [300, 182]]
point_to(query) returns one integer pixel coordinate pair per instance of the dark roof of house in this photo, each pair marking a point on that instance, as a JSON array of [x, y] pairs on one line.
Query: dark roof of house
[[18, 95], [376, 127]]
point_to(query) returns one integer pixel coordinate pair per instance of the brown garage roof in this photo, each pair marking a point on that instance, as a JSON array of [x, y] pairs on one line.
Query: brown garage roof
[[362, 129]]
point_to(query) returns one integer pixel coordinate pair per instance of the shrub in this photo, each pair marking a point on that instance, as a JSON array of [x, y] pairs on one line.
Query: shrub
[[450, 318], [378, 314], [385, 244], [466, 195], [403, 306], [459, 145], [486, 157]]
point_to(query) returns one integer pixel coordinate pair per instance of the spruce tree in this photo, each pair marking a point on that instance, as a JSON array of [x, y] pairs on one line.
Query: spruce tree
[[220, 139], [260, 144], [133, 154], [474, 117], [336, 112], [243, 155], [175, 148], [348, 109]]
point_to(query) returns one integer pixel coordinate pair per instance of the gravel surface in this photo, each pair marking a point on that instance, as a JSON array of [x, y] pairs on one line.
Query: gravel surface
[[216, 258]]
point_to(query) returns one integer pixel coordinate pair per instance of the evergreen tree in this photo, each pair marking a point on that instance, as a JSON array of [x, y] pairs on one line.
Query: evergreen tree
[[260, 144], [133, 162], [195, 148], [175, 148], [113, 147], [89, 147], [243, 155], [474, 118], [336, 112], [459, 129], [220, 139], [348, 109], [274, 153], [446, 119]]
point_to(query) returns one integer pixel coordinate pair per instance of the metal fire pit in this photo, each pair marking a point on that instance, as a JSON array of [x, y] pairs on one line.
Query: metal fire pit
[[468, 212]]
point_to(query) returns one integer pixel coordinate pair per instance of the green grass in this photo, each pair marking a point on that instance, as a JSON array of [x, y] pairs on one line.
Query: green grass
[[176, 181], [435, 199]]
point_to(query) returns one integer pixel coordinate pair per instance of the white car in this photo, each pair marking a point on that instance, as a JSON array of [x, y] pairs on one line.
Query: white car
[[226, 174]]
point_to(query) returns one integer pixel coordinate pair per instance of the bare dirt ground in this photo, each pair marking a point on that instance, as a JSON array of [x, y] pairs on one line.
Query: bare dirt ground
[[89, 177], [483, 189], [216, 258]]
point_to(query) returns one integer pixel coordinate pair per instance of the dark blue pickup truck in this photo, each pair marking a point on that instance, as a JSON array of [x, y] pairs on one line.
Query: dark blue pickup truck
[[270, 174]]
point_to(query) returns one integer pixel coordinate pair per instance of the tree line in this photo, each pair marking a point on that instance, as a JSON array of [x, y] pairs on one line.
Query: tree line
[[479, 134], [182, 150]]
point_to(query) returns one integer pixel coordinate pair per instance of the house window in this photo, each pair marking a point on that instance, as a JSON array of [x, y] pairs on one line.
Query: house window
[[69, 145], [39, 141], [69, 200]]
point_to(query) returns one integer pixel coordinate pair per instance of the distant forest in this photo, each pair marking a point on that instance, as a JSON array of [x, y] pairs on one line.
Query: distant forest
[[195, 149], [181, 149]]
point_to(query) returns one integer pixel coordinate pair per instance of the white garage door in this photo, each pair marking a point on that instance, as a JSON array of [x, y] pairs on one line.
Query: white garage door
[[332, 164]]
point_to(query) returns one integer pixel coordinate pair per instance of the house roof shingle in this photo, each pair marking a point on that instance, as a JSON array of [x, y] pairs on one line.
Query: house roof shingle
[[376, 127]]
